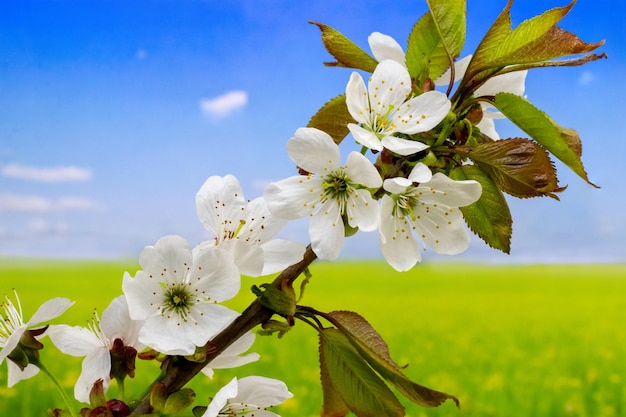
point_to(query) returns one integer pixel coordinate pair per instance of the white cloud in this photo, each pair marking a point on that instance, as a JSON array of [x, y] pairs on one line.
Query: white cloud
[[224, 105], [586, 78], [19, 203], [56, 174], [40, 226]]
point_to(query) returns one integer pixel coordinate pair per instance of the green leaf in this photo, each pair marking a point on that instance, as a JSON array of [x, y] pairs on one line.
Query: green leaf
[[563, 143], [179, 401], [501, 40], [334, 405], [436, 39], [519, 167], [489, 217], [347, 53], [333, 118], [361, 390], [372, 347]]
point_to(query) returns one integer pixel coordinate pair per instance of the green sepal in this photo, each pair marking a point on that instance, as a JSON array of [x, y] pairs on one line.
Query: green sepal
[[490, 216], [346, 52], [275, 299], [179, 401]]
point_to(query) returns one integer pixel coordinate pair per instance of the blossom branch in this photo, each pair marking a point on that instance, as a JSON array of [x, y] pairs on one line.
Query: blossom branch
[[180, 371]]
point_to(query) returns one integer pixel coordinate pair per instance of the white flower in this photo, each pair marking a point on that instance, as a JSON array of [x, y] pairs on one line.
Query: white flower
[[249, 396], [386, 108], [328, 194], [176, 295], [95, 343], [428, 209], [12, 328], [512, 82], [244, 228], [385, 47], [231, 356]]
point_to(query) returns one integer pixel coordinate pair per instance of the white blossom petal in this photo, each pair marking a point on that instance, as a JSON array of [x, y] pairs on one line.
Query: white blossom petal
[[232, 356], [362, 211], [422, 113], [460, 67], [209, 320], [420, 173], [397, 243], [166, 335], [219, 199], [166, 259], [403, 146], [327, 232], [294, 197], [385, 47], [248, 258], [49, 310], [442, 232], [279, 254], [488, 127], [73, 340], [15, 374], [453, 193], [144, 294], [357, 99], [361, 171], [389, 87], [221, 398], [117, 324], [365, 137], [262, 392], [511, 82], [95, 366], [313, 150]]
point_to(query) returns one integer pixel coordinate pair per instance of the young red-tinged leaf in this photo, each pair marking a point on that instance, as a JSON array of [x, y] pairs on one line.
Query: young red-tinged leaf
[[436, 39], [519, 167], [362, 391], [346, 52], [563, 143], [373, 349], [489, 217], [333, 118]]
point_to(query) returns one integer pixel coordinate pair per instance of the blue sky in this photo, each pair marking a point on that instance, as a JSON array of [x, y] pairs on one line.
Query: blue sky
[[114, 113]]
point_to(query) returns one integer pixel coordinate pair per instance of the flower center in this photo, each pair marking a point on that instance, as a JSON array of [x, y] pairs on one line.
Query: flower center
[[405, 203], [337, 186], [178, 300]]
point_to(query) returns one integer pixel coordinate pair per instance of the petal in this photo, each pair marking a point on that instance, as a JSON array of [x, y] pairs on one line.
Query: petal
[[389, 87], [12, 341], [15, 374], [96, 365], [219, 199], [402, 146], [74, 340], [143, 293], [460, 67], [326, 231], [230, 357], [357, 100], [385, 47], [422, 113], [260, 225], [363, 211], [261, 391], [511, 82], [397, 243], [452, 193], [117, 324], [166, 335], [361, 171], [215, 275], [396, 185], [247, 257], [49, 310], [279, 254], [313, 150], [488, 127], [221, 398], [167, 260], [420, 173], [365, 137], [207, 320], [294, 197], [442, 229]]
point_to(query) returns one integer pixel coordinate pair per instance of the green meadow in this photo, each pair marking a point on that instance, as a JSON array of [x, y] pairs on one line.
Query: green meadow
[[530, 340]]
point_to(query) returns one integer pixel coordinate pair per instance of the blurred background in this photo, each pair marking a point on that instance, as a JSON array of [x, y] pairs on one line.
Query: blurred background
[[114, 113]]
